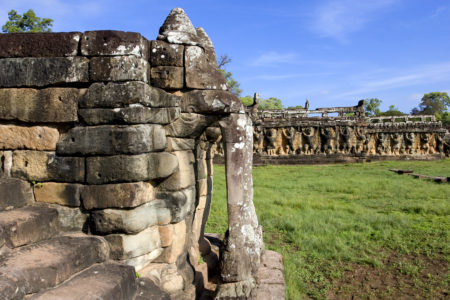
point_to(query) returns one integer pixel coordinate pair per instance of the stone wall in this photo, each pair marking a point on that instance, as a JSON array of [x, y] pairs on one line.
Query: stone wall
[[314, 136], [116, 132]]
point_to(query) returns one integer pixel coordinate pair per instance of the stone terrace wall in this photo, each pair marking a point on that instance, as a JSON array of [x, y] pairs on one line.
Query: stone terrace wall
[[111, 130]]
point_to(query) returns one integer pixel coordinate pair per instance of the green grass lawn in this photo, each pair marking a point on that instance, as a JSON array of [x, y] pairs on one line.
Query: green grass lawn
[[329, 221]]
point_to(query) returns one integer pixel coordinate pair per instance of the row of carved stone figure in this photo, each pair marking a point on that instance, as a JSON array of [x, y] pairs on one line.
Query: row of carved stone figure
[[343, 140]]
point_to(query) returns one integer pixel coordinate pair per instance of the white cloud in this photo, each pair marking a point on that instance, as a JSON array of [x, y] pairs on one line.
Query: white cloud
[[337, 19]]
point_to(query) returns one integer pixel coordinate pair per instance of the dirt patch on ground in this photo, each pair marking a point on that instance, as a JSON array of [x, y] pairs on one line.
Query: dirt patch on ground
[[400, 277]]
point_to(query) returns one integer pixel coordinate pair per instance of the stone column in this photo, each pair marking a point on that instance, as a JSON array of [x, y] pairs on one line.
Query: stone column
[[243, 243]]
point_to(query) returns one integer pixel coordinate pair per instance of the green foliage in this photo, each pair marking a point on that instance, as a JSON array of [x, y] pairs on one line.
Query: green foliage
[[271, 103], [433, 103], [372, 106], [28, 22], [392, 111], [232, 84], [295, 107], [444, 118], [328, 219], [247, 100]]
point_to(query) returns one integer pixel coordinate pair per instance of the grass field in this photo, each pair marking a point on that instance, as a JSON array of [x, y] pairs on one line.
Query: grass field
[[352, 229]]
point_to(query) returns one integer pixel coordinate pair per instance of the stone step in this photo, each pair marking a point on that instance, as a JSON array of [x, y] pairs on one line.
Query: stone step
[[27, 225], [15, 193], [33, 268], [101, 281]]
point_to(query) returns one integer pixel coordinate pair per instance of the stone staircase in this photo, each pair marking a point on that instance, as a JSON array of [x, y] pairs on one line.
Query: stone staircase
[[38, 260]]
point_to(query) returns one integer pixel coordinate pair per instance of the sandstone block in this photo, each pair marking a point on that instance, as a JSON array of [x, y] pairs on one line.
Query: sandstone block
[[67, 194], [129, 220], [129, 115], [178, 246], [200, 74], [5, 163], [178, 29], [111, 42], [109, 140], [211, 101], [166, 234], [127, 246], [120, 195], [46, 166], [166, 77], [189, 125], [52, 105], [15, 193], [179, 203], [165, 54], [71, 219], [127, 168], [185, 176], [39, 71], [179, 144], [140, 262], [32, 138], [122, 94], [36, 44], [118, 68]]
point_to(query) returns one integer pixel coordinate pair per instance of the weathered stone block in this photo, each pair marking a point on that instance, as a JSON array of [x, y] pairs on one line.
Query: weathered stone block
[[122, 94], [130, 220], [108, 140], [70, 219], [111, 42], [200, 74], [37, 44], [127, 168], [166, 77], [178, 29], [179, 144], [136, 114], [185, 176], [118, 68], [127, 246], [15, 193], [67, 194], [19, 72], [165, 54], [140, 262], [178, 246], [5, 163], [211, 101], [120, 195], [46, 166], [189, 125], [32, 138], [166, 234], [179, 203], [52, 105]]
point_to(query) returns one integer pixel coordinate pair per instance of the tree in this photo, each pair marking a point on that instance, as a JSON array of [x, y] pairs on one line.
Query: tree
[[432, 104], [372, 106], [295, 107], [247, 100], [232, 85], [271, 103], [392, 111], [28, 22]]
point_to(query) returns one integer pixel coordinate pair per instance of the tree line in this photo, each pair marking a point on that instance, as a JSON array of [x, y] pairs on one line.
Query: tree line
[[434, 103]]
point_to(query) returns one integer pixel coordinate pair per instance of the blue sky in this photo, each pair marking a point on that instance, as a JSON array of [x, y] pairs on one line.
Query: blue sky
[[331, 52]]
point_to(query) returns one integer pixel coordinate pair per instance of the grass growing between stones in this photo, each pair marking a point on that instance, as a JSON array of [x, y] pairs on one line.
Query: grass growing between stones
[[352, 229]]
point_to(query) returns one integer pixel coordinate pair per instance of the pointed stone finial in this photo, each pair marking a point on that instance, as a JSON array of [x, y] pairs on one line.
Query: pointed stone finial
[[178, 29], [203, 37]]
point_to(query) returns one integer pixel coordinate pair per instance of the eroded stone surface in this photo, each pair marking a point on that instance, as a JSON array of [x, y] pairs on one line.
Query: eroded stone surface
[[167, 77], [178, 29], [67, 194], [52, 105], [199, 72], [15, 193], [123, 94], [184, 177], [165, 54], [120, 195], [210, 102], [127, 246], [46, 166], [180, 203], [130, 220], [111, 43], [189, 125], [36, 71], [178, 246], [111, 140], [39, 44], [127, 168], [129, 115], [118, 68], [32, 138]]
